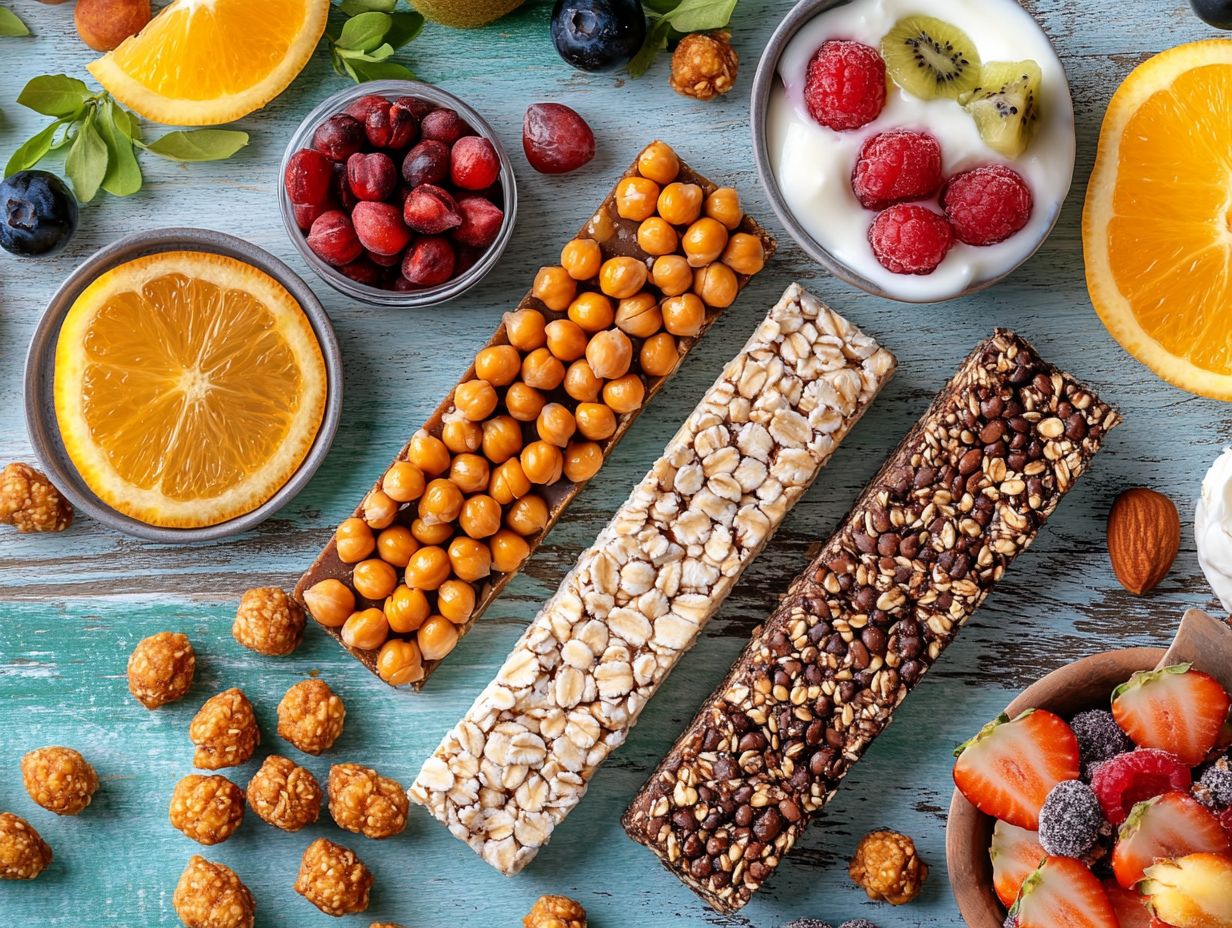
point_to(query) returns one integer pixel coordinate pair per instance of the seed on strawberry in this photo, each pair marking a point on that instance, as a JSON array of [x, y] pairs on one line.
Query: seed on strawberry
[[473, 164], [372, 176], [444, 125], [896, 166], [1124, 781], [339, 137], [429, 262], [1063, 893], [1015, 854], [333, 239], [380, 228], [481, 222], [1171, 825], [431, 210], [426, 163], [1192, 892], [308, 177], [1176, 709], [845, 85]]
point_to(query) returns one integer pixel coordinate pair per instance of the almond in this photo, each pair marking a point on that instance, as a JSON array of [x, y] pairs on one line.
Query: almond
[[1144, 533]]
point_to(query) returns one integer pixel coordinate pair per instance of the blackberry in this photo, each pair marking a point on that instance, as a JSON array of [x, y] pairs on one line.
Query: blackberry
[[1070, 820]]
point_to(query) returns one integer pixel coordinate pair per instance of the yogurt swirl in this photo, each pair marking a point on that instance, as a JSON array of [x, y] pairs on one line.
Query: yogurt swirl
[[1213, 528]]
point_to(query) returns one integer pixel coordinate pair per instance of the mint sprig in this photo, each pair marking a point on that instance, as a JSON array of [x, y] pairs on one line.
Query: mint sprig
[[669, 20], [373, 31], [102, 138], [11, 24]]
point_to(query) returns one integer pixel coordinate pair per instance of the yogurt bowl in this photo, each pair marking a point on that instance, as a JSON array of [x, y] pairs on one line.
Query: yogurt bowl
[[806, 167]]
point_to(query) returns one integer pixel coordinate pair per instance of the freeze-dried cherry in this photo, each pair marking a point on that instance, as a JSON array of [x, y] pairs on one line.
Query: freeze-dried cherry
[[307, 213], [431, 210], [360, 108], [332, 237], [473, 164], [372, 176], [380, 228], [429, 262], [444, 125], [481, 222], [556, 139], [426, 163], [339, 137], [362, 271], [308, 177]]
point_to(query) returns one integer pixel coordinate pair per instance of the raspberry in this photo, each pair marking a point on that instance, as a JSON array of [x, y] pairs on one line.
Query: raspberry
[[987, 204], [845, 86], [896, 166], [910, 239], [1124, 781]]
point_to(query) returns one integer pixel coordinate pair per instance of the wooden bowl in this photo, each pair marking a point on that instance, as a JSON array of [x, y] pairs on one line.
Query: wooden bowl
[[1084, 684]]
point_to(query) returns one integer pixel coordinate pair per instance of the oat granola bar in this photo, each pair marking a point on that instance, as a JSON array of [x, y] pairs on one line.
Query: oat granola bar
[[965, 492], [575, 683]]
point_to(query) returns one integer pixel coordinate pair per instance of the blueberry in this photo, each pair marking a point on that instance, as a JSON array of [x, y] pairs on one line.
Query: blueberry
[[598, 35], [1217, 13], [38, 214]]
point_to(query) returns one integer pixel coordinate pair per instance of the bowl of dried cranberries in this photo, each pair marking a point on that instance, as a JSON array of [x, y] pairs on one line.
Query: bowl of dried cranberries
[[397, 193]]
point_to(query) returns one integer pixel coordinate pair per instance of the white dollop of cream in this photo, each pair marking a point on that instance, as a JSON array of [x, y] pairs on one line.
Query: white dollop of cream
[[1213, 528]]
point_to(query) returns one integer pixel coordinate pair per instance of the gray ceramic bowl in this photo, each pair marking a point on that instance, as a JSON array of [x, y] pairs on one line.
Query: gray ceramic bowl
[[40, 368], [763, 85]]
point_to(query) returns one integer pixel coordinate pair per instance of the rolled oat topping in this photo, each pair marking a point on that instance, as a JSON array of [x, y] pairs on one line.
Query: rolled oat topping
[[576, 682], [333, 879], [965, 492], [161, 668], [311, 716], [224, 731], [30, 503], [284, 794], [207, 809], [269, 622], [59, 779], [363, 801], [888, 868], [23, 853], [210, 895], [555, 912]]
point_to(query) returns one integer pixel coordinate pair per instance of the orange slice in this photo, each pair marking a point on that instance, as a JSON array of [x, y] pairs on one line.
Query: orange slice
[[205, 62], [1157, 225], [189, 387]]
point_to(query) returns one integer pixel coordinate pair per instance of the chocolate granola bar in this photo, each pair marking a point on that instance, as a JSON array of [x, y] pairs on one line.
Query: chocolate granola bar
[[965, 492]]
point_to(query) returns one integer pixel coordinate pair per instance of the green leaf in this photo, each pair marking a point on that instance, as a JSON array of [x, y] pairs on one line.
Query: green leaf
[[86, 164], [54, 95], [406, 27], [377, 54], [365, 31], [123, 175], [198, 144], [656, 41], [661, 6], [10, 24], [700, 15], [32, 151], [125, 121], [380, 71], [355, 7]]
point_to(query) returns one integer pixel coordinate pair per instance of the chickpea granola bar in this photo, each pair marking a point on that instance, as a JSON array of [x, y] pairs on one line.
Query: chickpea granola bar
[[576, 682], [926, 542]]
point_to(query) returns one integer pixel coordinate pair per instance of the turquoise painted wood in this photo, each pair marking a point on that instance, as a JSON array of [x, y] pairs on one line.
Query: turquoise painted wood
[[72, 606]]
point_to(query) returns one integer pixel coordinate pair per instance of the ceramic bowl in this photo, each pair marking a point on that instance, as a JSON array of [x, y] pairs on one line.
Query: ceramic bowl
[[428, 296], [40, 369], [1084, 684]]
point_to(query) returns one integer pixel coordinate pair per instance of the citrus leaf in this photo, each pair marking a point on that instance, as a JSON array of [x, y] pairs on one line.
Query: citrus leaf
[[32, 150], [54, 95], [123, 175], [656, 41], [86, 164], [699, 15], [198, 144], [377, 54], [355, 7], [364, 32], [380, 71], [406, 27], [11, 25]]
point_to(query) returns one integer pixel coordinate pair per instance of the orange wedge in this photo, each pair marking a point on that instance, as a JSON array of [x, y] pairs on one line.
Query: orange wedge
[[189, 387], [1157, 225], [205, 62]]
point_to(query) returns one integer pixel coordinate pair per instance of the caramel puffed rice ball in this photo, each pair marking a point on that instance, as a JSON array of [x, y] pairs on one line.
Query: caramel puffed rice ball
[[310, 716], [161, 668], [555, 912], [284, 794], [887, 867], [29, 502], [333, 878], [363, 801], [207, 809], [210, 895], [224, 731], [704, 65], [59, 779], [269, 622], [23, 854]]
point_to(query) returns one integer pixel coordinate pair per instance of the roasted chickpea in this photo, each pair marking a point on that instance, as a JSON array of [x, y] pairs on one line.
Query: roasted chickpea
[[374, 579], [481, 516], [672, 275], [508, 482], [684, 314], [581, 258], [470, 559], [437, 638], [428, 453], [659, 355], [609, 354], [639, 316], [658, 162], [554, 288], [502, 439], [456, 600], [331, 602], [744, 254], [469, 472], [582, 460], [542, 462], [396, 545], [353, 540], [680, 203], [704, 241], [441, 502], [366, 630], [431, 533], [622, 277], [403, 482], [509, 550], [524, 329], [542, 370], [399, 663], [523, 402], [498, 365], [527, 515], [595, 421], [556, 424], [475, 399], [592, 312], [581, 382], [624, 394], [655, 236], [406, 609], [724, 205], [460, 436], [635, 198], [428, 568], [566, 340], [716, 284], [378, 510]]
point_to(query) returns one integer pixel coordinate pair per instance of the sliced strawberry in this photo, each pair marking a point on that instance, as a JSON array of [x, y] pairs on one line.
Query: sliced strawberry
[[1128, 779], [1015, 854], [1175, 709], [1171, 825], [1063, 893], [1130, 907], [1007, 770]]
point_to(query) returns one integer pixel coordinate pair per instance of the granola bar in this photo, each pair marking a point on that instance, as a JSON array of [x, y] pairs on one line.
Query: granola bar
[[575, 683], [965, 492]]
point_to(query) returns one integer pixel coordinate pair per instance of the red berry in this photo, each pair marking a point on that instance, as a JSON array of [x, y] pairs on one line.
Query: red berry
[[371, 177], [385, 260], [360, 109], [426, 163], [415, 106], [308, 177], [362, 271], [339, 137], [909, 239], [380, 228], [306, 213], [378, 127], [896, 166], [444, 125], [987, 204], [333, 238], [556, 139], [1128, 779], [430, 261], [402, 285], [431, 210], [845, 87], [473, 164], [404, 122], [481, 222]]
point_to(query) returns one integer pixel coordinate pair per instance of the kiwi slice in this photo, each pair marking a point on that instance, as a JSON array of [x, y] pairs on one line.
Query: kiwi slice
[[930, 58], [1005, 105]]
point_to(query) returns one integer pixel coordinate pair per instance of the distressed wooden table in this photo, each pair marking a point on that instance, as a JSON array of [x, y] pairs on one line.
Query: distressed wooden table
[[73, 605]]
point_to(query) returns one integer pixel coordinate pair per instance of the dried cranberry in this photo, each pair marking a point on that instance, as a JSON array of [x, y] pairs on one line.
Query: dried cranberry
[[415, 106], [444, 125], [431, 210], [466, 259], [380, 228], [481, 222], [333, 238], [307, 213], [342, 189], [308, 177], [372, 177], [430, 262], [556, 139], [473, 164], [404, 123], [385, 260], [402, 285], [360, 109], [362, 271], [426, 163], [379, 127], [339, 137]]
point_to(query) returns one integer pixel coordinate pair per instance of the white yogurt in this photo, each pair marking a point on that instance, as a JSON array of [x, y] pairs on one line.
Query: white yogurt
[[1213, 528], [813, 164]]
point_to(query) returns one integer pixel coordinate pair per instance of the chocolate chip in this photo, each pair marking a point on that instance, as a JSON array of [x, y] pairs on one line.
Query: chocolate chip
[[744, 816], [753, 741], [992, 431], [874, 639], [700, 868], [789, 810], [768, 825]]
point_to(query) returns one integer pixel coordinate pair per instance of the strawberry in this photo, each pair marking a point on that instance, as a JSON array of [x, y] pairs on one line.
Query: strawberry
[[1192, 892], [1130, 907], [1128, 779], [1063, 893], [1170, 825], [1007, 770], [1176, 709], [1015, 854]]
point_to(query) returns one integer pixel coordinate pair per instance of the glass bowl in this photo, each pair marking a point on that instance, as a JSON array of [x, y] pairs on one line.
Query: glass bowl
[[428, 296]]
